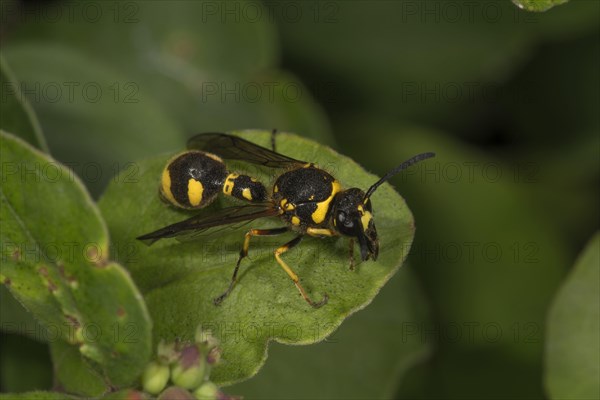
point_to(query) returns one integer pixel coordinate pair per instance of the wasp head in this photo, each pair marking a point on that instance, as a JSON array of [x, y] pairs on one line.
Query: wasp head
[[353, 216]]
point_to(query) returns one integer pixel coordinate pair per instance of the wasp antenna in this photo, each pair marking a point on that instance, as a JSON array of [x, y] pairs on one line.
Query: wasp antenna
[[399, 168]]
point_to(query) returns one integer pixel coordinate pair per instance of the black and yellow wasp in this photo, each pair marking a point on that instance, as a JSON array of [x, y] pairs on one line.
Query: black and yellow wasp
[[308, 199]]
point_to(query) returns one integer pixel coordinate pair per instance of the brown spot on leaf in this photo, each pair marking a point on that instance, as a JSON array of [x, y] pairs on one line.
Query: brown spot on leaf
[[121, 312], [7, 281], [51, 286], [61, 270], [94, 255], [16, 255], [43, 271], [73, 321]]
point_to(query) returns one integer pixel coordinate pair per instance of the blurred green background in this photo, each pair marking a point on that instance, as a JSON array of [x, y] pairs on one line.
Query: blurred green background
[[508, 99]]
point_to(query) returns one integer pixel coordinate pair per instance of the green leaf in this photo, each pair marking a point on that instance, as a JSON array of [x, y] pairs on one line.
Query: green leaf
[[128, 394], [17, 114], [479, 232], [538, 5], [179, 42], [572, 348], [136, 115], [25, 364], [39, 395], [55, 261], [365, 358], [179, 280], [14, 318], [168, 59], [411, 53], [97, 119], [73, 372], [271, 99], [409, 60]]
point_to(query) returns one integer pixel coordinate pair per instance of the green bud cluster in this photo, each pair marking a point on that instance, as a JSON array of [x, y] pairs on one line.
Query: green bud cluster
[[187, 366]]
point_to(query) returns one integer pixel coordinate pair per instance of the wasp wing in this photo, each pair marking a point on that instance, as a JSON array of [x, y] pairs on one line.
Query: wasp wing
[[235, 148], [220, 218], [201, 234]]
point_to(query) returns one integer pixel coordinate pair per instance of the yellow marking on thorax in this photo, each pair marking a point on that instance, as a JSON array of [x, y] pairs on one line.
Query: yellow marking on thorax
[[247, 194], [295, 220], [320, 213], [287, 206], [195, 190], [166, 186], [229, 183]]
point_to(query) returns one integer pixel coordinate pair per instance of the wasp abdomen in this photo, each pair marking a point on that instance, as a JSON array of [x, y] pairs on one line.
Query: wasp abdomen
[[244, 187], [192, 179]]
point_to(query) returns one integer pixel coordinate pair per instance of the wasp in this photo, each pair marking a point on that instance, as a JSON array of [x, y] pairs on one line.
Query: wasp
[[307, 199]]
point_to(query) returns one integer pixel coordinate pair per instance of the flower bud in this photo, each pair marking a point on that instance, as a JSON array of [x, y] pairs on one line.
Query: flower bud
[[167, 352], [190, 370], [208, 391], [214, 356], [205, 338], [176, 393], [155, 377]]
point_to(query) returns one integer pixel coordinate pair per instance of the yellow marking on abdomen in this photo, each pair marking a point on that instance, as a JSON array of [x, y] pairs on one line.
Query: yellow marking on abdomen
[[229, 183], [195, 190], [213, 156], [166, 186], [247, 194], [295, 220], [320, 213]]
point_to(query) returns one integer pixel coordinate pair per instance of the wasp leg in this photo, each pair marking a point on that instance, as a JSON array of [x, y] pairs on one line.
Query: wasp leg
[[273, 133], [351, 254], [244, 253], [289, 245]]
